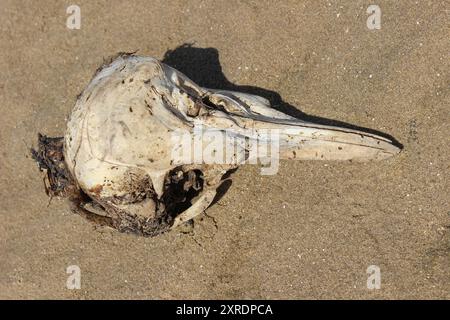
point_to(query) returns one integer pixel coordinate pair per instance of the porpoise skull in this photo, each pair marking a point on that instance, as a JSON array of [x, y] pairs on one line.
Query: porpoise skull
[[121, 152]]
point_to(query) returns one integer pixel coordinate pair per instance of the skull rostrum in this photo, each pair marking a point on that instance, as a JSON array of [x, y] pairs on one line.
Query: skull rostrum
[[116, 160]]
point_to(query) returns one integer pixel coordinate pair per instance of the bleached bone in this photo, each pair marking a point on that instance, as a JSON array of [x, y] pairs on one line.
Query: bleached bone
[[119, 143]]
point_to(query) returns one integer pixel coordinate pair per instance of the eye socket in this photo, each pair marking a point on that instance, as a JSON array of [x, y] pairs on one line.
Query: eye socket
[[194, 109], [181, 187]]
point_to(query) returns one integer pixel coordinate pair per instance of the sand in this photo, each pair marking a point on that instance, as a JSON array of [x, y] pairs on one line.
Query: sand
[[309, 232]]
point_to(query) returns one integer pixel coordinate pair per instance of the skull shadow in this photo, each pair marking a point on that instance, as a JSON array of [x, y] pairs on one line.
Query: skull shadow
[[202, 65]]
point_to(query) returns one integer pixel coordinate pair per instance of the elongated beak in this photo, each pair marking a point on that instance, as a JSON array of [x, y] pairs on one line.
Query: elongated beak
[[297, 139], [308, 141], [252, 117]]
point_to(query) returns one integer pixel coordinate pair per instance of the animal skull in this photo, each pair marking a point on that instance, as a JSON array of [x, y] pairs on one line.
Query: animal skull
[[127, 125]]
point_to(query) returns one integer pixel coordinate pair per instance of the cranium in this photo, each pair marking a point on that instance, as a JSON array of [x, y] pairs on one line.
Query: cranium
[[117, 155]]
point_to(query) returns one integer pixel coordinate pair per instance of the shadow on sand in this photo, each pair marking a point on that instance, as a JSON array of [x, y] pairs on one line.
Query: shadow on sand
[[202, 65]]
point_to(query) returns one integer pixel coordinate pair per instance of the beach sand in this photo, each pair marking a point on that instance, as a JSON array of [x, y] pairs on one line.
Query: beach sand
[[309, 232]]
